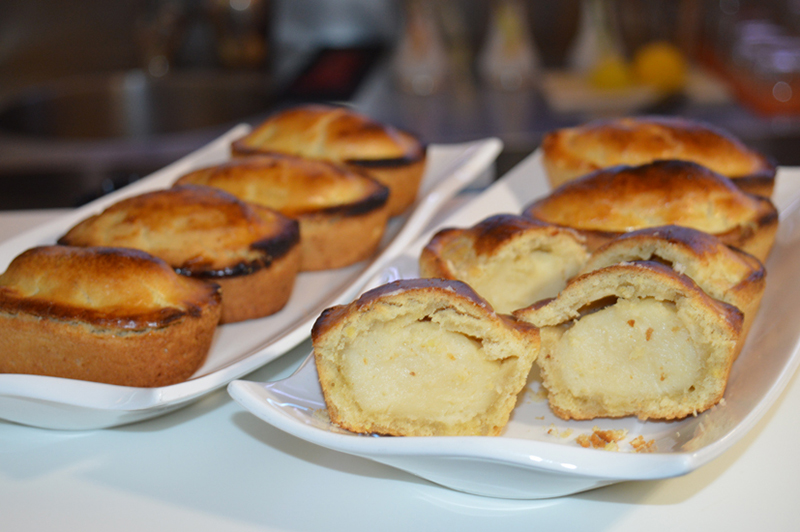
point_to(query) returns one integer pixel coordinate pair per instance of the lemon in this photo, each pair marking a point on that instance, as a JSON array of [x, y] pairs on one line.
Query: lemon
[[610, 72], [660, 64]]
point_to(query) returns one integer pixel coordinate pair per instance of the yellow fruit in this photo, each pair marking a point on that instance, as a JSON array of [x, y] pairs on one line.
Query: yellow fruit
[[661, 65], [610, 72]]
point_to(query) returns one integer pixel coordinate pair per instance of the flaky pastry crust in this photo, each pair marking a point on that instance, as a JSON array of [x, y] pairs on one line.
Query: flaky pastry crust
[[616, 200], [422, 357], [342, 214], [251, 251], [573, 152], [510, 260], [337, 134], [634, 338], [110, 315]]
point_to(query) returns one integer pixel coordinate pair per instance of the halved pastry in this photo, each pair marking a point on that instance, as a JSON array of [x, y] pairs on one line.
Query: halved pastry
[[252, 252], [616, 200], [634, 338], [572, 152], [509, 260], [422, 357], [342, 214], [111, 315], [338, 134], [723, 272]]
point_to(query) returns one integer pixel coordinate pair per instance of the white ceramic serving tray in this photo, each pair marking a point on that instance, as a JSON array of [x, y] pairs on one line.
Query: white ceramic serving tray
[[238, 348], [537, 455]]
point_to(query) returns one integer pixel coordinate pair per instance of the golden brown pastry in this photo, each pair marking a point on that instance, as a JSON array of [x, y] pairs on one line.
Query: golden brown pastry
[[616, 200], [509, 260], [337, 134], [252, 252], [634, 338], [572, 152], [342, 214], [724, 273], [111, 315], [423, 357]]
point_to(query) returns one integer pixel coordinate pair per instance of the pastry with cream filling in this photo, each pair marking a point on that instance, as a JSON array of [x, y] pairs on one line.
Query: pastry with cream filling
[[340, 135], [572, 152], [422, 357], [616, 200], [251, 251], [109, 315], [509, 260], [723, 272], [634, 339], [342, 213]]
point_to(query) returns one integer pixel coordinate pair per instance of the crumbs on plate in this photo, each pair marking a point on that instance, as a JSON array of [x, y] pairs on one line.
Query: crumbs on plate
[[602, 439], [608, 440], [553, 431], [640, 445]]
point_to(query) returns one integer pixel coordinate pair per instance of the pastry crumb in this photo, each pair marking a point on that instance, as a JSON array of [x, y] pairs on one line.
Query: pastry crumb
[[553, 431], [602, 439], [640, 445]]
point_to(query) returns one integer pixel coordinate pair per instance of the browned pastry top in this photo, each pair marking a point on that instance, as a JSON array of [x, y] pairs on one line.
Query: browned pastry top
[[292, 185], [625, 198], [330, 133], [194, 228], [451, 290], [489, 234], [636, 141], [636, 279], [105, 287], [706, 259]]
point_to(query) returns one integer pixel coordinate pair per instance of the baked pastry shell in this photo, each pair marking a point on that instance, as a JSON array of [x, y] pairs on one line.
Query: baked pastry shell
[[663, 284], [332, 236], [635, 143], [754, 235], [261, 292], [330, 330], [402, 176], [252, 288], [452, 250], [723, 272], [393, 157], [150, 349]]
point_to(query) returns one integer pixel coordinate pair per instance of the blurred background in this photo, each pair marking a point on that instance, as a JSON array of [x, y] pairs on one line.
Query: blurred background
[[95, 94]]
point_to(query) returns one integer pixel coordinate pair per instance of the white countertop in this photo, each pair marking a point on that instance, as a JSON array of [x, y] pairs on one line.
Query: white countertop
[[214, 466]]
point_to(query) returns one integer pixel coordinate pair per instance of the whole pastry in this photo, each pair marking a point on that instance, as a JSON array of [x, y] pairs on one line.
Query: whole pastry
[[341, 135], [251, 251], [619, 199], [342, 214], [572, 152], [110, 315]]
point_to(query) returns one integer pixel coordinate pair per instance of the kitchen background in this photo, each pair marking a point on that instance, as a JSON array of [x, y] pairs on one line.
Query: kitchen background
[[95, 94]]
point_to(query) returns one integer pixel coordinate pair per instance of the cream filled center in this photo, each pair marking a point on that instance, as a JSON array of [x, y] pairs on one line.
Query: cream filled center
[[521, 281], [634, 349], [419, 369]]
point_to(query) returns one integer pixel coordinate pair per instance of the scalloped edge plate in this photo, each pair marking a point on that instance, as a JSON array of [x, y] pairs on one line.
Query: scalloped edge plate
[[238, 348], [537, 456]]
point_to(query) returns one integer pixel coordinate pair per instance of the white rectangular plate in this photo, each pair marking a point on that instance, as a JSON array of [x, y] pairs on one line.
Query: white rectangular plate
[[537, 455], [238, 348]]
